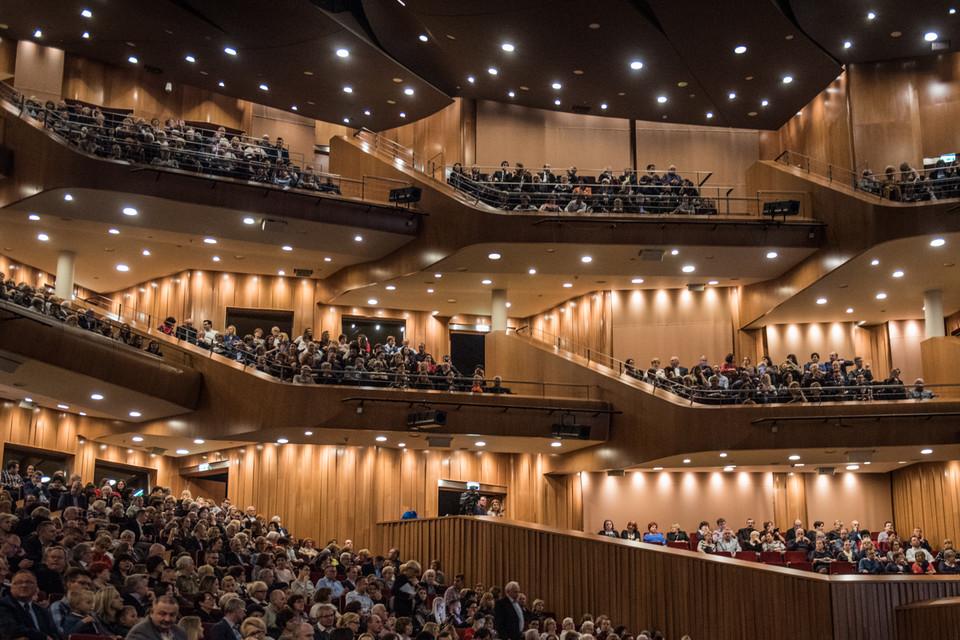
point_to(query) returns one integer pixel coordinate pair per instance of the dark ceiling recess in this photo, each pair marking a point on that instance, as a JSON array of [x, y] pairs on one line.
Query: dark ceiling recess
[[568, 55]]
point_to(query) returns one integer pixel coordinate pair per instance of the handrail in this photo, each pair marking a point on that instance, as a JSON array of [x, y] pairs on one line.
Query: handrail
[[915, 185], [250, 164], [750, 392]]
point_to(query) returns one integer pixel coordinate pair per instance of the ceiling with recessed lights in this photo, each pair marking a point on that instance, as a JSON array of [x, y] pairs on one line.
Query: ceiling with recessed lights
[[747, 64]]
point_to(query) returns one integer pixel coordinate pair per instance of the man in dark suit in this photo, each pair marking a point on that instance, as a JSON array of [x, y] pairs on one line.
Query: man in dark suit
[[678, 371], [229, 626], [138, 524], [36, 545], [21, 617], [743, 535], [507, 614], [50, 573], [162, 622], [326, 622], [73, 498]]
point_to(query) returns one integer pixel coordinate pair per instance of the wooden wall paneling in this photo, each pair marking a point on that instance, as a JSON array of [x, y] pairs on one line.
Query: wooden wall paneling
[[927, 495], [822, 129], [928, 619], [866, 609], [905, 337], [437, 137], [941, 361], [8, 57], [584, 322]]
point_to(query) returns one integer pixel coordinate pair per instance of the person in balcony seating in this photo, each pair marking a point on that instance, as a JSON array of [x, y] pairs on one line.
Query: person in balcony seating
[[899, 564], [728, 542], [632, 532], [918, 392], [609, 530], [868, 183], [870, 564], [653, 534]]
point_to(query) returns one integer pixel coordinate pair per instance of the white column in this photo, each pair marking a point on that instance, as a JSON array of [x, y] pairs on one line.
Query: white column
[[65, 270], [498, 310], [933, 313]]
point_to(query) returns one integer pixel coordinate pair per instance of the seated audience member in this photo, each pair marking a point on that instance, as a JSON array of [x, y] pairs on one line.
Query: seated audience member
[[728, 542], [772, 544], [949, 563], [743, 534], [898, 564], [753, 543], [800, 542], [705, 545], [609, 530], [923, 566], [847, 553], [653, 535], [632, 532], [820, 557], [915, 552], [870, 563], [676, 534], [918, 392], [946, 545]]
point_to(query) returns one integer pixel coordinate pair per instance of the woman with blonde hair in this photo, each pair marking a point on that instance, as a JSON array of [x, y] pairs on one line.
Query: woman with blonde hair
[[349, 621], [192, 627], [107, 605], [253, 629]]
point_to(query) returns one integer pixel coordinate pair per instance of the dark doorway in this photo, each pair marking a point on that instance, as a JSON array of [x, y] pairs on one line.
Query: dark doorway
[[376, 330], [466, 351], [246, 320], [48, 462], [212, 487], [136, 478]]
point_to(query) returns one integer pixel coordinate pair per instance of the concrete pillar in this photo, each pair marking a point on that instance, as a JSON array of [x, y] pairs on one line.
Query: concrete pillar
[[65, 270], [933, 313], [498, 310]]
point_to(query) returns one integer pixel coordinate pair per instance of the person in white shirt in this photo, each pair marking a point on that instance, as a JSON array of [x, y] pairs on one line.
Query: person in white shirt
[[209, 334], [917, 553], [728, 542], [330, 581], [360, 594]]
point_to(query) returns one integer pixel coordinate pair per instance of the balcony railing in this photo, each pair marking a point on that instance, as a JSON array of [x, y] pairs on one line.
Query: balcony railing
[[913, 186], [240, 159]]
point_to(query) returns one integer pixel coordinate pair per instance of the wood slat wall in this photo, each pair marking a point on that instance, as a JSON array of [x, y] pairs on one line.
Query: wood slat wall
[[927, 495], [925, 620], [325, 491], [637, 585], [866, 609]]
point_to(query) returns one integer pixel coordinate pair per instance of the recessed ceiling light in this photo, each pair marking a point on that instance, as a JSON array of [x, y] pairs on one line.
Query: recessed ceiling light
[[793, 457], [403, 115], [557, 85], [937, 242], [847, 44], [429, 290], [123, 268], [688, 268], [343, 53], [33, 217], [391, 287], [381, 438], [132, 60], [221, 84], [532, 271], [281, 272], [438, 275], [249, 220], [308, 433], [771, 254], [62, 406], [492, 71], [287, 247], [96, 396], [637, 281], [86, 35], [930, 36], [137, 438], [471, 79], [506, 46], [661, 99], [821, 301], [764, 103], [134, 414], [686, 461], [190, 59], [740, 49], [230, 51], [926, 451], [348, 89], [358, 238], [714, 282], [881, 296], [874, 262], [486, 281], [216, 258], [952, 11], [787, 79], [556, 102], [636, 64], [709, 114], [898, 274], [567, 285], [129, 211], [732, 95], [210, 240], [480, 443], [556, 443], [586, 259], [423, 37], [366, 112], [198, 441], [511, 94], [871, 15], [264, 87], [723, 454], [849, 309], [852, 467], [371, 301], [282, 441], [113, 232], [86, 13], [658, 468], [603, 105], [729, 467], [493, 256]]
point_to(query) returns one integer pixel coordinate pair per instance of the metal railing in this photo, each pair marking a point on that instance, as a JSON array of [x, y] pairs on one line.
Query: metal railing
[[244, 160], [898, 185], [731, 388]]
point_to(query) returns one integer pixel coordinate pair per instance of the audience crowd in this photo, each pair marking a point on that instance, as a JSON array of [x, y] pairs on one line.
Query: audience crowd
[[842, 549], [175, 145], [113, 562], [517, 189], [910, 185], [832, 380]]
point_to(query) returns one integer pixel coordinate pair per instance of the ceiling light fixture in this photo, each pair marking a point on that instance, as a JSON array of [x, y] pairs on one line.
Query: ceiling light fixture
[[86, 35], [688, 268], [230, 51], [132, 60], [403, 115], [637, 281], [429, 290], [381, 438], [96, 396], [134, 414], [661, 99], [740, 49], [38, 34], [586, 259], [874, 262], [556, 102], [787, 79], [821, 301], [480, 443], [556, 443], [287, 247], [686, 461], [216, 258], [210, 240], [348, 89], [281, 272], [358, 238], [423, 37], [438, 275], [486, 281], [123, 268], [62, 406], [567, 285], [113, 232], [137, 438], [391, 287], [937, 242], [881, 296], [771, 254], [190, 59], [847, 44], [511, 94], [764, 103], [930, 36], [249, 220], [557, 85], [871, 15], [33, 217], [282, 441], [732, 95], [371, 301], [221, 84], [709, 114], [603, 105], [264, 87], [129, 211], [898, 274], [532, 271], [852, 467], [308, 433], [849, 309], [492, 71], [506, 46], [471, 79], [636, 64], [793, 457], [86, 13], [926, 451], [729, 467], [493, 256]]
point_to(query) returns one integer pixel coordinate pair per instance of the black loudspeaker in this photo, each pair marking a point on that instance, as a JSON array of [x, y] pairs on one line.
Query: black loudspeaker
[[406, 195], [781, 208], [6, 161], [426, 419], [571, 431]]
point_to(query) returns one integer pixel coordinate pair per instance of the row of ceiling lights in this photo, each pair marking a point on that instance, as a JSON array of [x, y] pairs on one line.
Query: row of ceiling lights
[[94, 396], [898, 273], [794, 461]]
